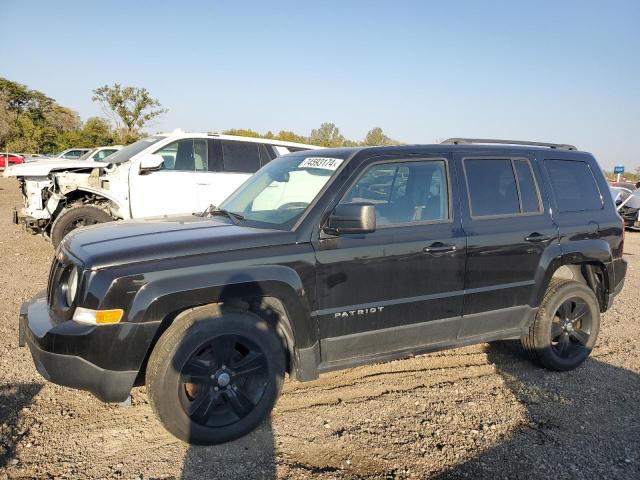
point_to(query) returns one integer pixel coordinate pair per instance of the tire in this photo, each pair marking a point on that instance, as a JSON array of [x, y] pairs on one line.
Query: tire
[[220, 403], [74, 217], [566, 326]]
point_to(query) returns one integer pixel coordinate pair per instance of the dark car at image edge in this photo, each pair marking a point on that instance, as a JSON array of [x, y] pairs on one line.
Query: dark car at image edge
[[327, 260]]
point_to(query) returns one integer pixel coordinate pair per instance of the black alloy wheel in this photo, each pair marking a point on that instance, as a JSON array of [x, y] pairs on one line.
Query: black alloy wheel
[[223, 381], [565, 328], [215, 374], [571, 328]]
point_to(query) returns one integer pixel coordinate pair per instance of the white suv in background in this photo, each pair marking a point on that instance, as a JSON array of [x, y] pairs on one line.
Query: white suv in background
[[158, 175]]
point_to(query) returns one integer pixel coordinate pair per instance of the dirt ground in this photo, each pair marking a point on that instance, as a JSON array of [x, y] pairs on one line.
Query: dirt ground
[[475, 412]]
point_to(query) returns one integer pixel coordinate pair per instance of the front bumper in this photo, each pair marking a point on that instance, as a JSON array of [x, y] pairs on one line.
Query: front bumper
[[54, 349], [32, 224]]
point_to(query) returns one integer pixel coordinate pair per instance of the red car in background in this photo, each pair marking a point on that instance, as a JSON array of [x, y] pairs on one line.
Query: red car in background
[[14, 159]]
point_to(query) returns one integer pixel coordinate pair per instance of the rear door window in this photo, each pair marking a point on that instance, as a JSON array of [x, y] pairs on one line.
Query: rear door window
[[214, 156], [501, 186], [574, 185], [240, 157], [492, 187]]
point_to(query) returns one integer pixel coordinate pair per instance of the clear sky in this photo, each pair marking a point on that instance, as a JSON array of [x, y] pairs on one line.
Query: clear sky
[[559, 71]]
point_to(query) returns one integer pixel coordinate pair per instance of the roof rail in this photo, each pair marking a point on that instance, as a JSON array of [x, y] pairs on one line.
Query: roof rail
[[460, 141]]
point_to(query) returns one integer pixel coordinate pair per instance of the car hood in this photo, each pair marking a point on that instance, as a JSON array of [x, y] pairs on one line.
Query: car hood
[[158, 238], [42, 168]]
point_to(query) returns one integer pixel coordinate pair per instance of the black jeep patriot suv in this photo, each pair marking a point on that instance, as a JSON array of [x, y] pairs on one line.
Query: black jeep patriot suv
[[326, 260]]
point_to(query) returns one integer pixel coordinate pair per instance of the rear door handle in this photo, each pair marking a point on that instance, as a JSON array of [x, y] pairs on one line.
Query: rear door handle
[[536, 237], [439, 247]]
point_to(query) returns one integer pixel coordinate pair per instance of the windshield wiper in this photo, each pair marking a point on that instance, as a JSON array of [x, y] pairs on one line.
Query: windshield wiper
[[213, 210]]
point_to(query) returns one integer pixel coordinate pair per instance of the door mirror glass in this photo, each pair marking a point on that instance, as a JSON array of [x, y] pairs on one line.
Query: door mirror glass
[[352, 218], [151, 163]]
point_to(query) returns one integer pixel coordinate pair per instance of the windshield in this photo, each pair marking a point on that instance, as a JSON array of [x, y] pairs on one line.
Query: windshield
[[87, 155], [130, 150], [279, 193]]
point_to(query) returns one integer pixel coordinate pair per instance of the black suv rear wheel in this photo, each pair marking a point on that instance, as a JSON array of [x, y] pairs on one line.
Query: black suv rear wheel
[[566, 326], [214, 376]]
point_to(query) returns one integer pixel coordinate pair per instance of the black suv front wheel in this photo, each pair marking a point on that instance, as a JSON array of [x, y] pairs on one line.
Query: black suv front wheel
[[566, 326], [214, 376]]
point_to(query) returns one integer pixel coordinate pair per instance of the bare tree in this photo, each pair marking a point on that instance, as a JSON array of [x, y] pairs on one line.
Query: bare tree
[[130, 108]]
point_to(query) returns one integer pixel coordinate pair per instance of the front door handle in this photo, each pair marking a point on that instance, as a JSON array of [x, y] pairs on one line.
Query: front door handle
[[439, 247], [536, 237]]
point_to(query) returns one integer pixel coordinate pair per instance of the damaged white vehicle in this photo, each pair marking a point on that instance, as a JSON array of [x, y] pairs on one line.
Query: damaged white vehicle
[[158, 175], [35, 181]]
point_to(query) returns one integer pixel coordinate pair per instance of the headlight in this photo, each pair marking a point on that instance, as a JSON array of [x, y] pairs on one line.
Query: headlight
[[70, 286]]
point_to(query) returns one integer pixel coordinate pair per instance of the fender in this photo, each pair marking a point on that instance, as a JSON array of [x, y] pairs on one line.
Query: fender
[[122, 209], [170, 292], [580, 252]]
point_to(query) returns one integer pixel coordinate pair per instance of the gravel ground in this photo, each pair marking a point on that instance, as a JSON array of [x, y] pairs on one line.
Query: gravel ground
[[475, 412]]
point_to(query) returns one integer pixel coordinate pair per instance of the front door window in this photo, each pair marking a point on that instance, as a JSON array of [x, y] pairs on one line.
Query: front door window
[[404, 192], [186, 155]]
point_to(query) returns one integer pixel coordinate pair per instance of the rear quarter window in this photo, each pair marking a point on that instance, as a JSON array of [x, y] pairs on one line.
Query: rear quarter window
[[574, 185]]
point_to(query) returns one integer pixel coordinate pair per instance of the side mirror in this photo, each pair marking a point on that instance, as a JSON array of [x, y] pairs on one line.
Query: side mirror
[[352, 218], [151, 163]]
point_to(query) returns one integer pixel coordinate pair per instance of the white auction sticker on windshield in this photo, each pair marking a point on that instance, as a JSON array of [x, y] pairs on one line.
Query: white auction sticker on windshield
[[324, 163]]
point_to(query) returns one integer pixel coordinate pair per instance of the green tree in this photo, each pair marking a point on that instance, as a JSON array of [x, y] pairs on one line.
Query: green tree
[[62, 119], [96, 132], [242, 132], [16, 96], [19, 99], [328, 135], [6, 120], [28, 136], [130, 108], [289, 136], [375, 137]]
